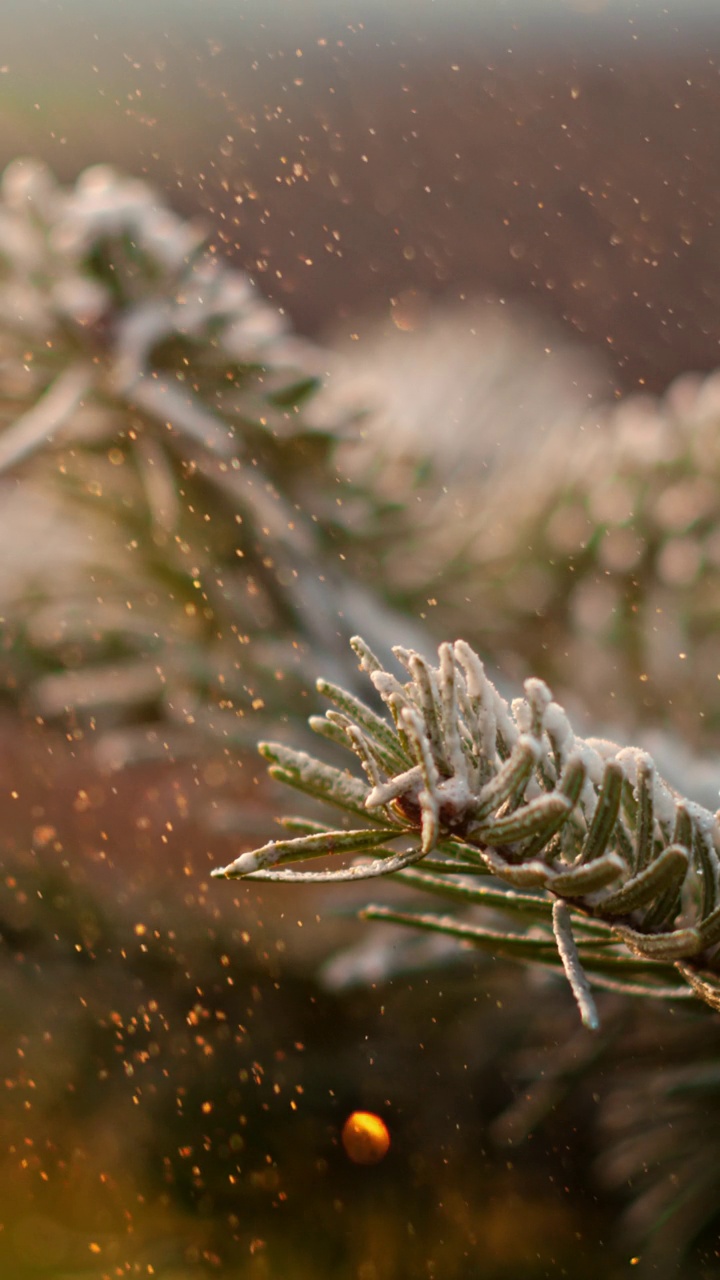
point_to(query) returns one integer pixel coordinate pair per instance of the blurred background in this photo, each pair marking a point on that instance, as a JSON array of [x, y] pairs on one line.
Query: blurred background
[[493, 223], [555, 153]]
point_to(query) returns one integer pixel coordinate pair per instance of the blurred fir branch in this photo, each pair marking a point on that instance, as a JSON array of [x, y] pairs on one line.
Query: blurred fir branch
[[651, 1082], [148, 376], [583, 858], [581, 546], [615, 563]]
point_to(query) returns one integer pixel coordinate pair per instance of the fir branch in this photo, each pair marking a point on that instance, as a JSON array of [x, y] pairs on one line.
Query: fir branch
[[619, 870], [144, 380]]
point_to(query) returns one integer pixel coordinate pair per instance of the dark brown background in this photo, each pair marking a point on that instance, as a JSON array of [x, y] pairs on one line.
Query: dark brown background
[[564, 154]]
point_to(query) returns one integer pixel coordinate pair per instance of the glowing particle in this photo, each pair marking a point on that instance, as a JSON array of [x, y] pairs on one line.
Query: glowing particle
[[365, 1137]]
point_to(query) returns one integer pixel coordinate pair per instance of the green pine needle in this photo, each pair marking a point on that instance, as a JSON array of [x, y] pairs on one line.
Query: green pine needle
[[505, 808]]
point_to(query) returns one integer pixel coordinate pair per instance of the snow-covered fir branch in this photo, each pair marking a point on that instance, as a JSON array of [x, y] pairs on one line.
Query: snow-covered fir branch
[[582, 855]]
